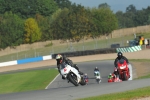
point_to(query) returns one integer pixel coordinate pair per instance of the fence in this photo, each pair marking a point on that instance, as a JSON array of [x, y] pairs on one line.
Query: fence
[[68, 47], [38, 49]]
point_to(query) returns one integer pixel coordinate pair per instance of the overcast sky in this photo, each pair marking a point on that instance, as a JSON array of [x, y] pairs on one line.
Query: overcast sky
[[115, 4]]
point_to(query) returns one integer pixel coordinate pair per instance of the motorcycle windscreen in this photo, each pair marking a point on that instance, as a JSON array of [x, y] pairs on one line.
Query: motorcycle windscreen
[[97, 74], [122, 61], [122, 64]]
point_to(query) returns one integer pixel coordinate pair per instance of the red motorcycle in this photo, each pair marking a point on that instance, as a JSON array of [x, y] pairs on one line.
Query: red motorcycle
[[86, 79], [123, 70], [110, 80]]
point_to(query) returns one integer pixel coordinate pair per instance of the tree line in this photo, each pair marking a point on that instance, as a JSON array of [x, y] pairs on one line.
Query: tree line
[[29, 21]]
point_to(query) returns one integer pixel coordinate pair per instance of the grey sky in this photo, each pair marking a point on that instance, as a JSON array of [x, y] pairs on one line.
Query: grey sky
[[115, 4]]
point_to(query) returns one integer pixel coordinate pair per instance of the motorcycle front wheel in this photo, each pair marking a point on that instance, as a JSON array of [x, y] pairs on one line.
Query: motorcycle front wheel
[[125, 76], [72, 79]]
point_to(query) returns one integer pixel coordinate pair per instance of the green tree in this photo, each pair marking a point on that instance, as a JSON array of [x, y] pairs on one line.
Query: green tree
[[11, 30], [104, 5], [80, 22], [104, 20], [63, 3], [28, 8], [121, 19], [32, 31], [44, 25], [60, 24]]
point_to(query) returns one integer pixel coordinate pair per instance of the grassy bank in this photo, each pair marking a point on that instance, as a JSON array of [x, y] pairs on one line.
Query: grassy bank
[[26, 81], [128, 95], [142, 77], [139, 60]]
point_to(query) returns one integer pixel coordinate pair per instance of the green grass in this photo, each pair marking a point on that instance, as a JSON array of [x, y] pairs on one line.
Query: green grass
[[139, 60], [142, 77], [49, 49], [128, 95], [26, 81]]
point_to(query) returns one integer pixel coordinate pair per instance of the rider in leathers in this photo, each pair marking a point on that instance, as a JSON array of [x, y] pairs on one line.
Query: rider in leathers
[[69, 62], [120, 56], [64, 60]]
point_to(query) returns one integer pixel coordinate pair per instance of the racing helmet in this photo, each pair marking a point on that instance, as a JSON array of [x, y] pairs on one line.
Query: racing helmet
[[59, 58], [110, 74], [85, 74], [119, 55], [96, 68]]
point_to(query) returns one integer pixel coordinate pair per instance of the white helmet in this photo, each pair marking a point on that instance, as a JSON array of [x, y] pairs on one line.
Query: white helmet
[[110, 74], [58, 56], [85, 74]]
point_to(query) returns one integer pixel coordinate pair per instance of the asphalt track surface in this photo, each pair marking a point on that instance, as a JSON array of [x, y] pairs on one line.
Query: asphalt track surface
[[61, 90]]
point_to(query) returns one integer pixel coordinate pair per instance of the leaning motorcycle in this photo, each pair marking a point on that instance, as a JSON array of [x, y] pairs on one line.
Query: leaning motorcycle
[[110, 80], [123, 70], [71, 74], [97, 76]]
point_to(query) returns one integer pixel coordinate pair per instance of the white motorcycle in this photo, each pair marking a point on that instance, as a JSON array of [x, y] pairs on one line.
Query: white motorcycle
[[97, 76], [71, 74]]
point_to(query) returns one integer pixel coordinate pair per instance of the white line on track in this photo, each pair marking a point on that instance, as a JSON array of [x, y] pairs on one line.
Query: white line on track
[[52, 81]]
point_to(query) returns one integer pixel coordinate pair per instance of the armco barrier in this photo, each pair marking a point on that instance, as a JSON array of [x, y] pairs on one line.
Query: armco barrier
[[72, 54], [88, 52], [23, 61], [129, 49]]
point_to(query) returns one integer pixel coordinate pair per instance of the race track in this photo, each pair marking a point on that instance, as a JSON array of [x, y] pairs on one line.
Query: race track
[[61, 90]]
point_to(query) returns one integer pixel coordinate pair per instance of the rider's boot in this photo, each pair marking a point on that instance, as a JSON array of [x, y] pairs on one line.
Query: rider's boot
[[81, 73]]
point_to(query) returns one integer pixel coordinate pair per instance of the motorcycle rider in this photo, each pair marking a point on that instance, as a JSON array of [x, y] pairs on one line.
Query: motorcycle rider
[[86, 78], [116, 71], [96, 69], [69, 62], [110, 76], [119, 57], [61, 60]]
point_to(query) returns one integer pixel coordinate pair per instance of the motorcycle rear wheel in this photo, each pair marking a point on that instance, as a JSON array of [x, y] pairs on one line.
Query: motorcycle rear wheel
[[82, 81]]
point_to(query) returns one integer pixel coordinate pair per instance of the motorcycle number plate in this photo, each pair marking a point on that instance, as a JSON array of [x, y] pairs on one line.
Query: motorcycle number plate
[[122, 67]]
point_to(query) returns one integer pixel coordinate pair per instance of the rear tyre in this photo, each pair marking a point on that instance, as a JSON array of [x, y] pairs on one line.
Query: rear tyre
[[82, 81], [72, 79], [98, 81]]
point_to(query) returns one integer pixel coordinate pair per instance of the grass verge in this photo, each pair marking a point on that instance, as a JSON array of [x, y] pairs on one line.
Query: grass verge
[[128, 95], [142, 77], [26, 81], [139, 60]]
